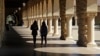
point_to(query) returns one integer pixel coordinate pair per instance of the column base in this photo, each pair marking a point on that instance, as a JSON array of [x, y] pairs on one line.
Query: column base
[[38, 33], [81, 43], [50, 32], [92, 44], [24, 26], [70, 39], [55, 34]]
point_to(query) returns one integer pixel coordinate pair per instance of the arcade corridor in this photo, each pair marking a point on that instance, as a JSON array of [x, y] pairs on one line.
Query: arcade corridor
[[73, 27]]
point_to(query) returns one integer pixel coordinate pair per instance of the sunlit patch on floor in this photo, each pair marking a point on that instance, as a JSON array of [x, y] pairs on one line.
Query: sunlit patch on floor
[[55, 42], [69, 50]]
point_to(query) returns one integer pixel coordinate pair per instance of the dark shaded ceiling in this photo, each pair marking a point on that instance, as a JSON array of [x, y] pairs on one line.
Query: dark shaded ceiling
[[14, 3]]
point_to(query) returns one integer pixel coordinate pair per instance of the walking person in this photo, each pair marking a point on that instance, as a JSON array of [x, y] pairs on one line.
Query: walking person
[[34, 28], [43, 32]]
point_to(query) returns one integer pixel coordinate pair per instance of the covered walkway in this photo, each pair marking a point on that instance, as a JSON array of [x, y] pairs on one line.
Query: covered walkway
[[18, 42], [62, 41]]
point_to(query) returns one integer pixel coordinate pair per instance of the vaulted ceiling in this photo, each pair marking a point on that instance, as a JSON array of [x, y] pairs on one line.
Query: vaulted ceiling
[[14, 3]]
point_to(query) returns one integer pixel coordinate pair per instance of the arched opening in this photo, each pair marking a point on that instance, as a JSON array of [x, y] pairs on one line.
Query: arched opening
[[10, 20], [73, 21], [19, 21]]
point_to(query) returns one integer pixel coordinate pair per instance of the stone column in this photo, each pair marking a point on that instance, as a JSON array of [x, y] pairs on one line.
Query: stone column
[[69, 27], [29, 13], [2, 21], [92, 9], [70, 12], [50, 25], [26, 23], [38, 24], [91, 27], [41, 20], [32, 15], [81, 12], [25, 14], [55, 27], [27, 20], [63, 19], [66, 11]]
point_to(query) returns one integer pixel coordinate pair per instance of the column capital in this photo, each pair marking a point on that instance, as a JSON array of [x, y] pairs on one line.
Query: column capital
[[40, 18], [49, 17], [91, 14], [56, 17], [69, 15], [44, 18]]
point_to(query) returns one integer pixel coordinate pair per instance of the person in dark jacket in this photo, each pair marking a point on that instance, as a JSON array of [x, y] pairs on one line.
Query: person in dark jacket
[[43, 32], [34, 28]]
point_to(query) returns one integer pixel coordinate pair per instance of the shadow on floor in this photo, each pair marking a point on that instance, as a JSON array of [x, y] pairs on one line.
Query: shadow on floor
[[14, 45]]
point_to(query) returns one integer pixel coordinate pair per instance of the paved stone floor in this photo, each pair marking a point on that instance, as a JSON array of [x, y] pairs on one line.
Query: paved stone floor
[[18, 42]]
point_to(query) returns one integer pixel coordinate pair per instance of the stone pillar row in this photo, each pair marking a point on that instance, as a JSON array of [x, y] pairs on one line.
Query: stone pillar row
[[29, 11], [85, 20]]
